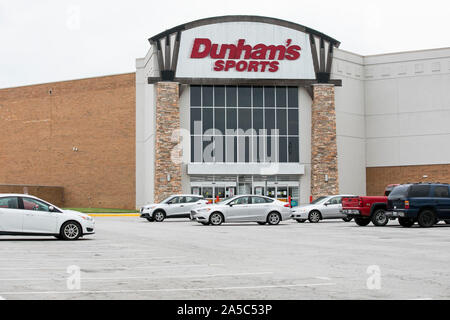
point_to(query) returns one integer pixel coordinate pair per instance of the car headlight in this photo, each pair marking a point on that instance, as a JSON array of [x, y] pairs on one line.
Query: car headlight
[[88, 218], [204, 210]]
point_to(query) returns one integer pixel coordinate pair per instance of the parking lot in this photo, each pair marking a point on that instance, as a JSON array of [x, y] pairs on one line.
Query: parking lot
[[130, 258]]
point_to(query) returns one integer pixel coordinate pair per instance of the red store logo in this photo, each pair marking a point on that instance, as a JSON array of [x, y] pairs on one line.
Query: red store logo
[[243, 57]]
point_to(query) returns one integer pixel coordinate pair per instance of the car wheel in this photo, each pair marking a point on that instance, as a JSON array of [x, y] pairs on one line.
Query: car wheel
[[71, 230], [273, 218], [159, 216], [314, 217], [427, 219], [216, 219], [362, 222], [447, 221], [406, 222], [348, 219], [301, 221], [262, 223], [379, 218]]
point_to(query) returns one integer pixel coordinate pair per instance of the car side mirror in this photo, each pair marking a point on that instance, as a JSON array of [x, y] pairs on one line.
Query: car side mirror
[[326, 204], [231, 205]]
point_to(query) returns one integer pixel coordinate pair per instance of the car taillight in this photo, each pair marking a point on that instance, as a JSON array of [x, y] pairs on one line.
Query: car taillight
[[287, 205], [360, 203], [406, 204]]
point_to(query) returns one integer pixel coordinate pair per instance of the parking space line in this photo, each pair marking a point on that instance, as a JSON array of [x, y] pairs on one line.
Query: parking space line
[[118, 268], [1, 298], [94, 259], [172, 290], [147, 278]]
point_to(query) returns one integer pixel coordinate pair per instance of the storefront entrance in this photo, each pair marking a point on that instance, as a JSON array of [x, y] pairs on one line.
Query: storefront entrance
[[280, 188]]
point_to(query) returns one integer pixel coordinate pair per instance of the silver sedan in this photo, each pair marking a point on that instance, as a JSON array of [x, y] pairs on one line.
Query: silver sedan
[[245, 208], [328, 207]]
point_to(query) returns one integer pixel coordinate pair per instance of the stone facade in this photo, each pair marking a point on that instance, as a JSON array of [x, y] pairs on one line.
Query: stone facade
[[167, 123], [378, 178], [79, 135], [324, 160]]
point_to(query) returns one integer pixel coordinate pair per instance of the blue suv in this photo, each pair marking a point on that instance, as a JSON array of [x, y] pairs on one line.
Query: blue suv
[[425, 203]]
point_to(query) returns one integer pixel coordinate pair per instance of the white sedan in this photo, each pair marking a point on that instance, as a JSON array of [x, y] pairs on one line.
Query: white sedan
[[245, 208], [176, 206], [25, 215]]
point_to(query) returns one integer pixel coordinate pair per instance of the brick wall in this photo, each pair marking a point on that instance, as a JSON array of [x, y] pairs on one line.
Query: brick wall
[[379, 178], [41, 124], [54, 195], [323, 142], [167, 122]]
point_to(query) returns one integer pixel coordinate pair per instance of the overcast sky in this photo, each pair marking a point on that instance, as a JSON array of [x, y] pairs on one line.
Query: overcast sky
[[53, 40]]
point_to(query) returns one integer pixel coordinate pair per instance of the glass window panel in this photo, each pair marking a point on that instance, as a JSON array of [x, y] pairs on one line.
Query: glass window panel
[[281, 97], [196, 149], [208, 119], [219, 96], [270, 146], [258, 149], [232, 119], [269, 97], [245, 97], [208, 98], [196, 116], [244, 145], [196, 96], [270, 120], [231, 96], [219, 119], [208, 149], [231, 149], [293, 97], [245, 119], [258, 97], [293, 150], [258, 120], [282, 122], [293, 122], [219, 148], [282, 149]]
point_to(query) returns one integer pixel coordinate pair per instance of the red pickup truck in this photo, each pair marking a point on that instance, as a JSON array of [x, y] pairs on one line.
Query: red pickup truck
[[368, 209]]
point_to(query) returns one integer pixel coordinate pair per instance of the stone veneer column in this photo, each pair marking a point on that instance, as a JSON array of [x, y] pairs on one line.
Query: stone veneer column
[[167, 121], [323, 143]]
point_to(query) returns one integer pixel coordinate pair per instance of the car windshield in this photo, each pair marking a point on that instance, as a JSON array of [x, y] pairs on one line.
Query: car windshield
[[167, 200], [226, 201], [319, 200], [400, 191]]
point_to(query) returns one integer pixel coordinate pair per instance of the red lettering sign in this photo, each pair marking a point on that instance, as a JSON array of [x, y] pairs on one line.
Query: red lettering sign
[[243, 57]]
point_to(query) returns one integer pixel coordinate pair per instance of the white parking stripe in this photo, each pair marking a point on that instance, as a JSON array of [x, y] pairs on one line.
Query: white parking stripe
[[119, 268], [146, 278], [1, 298], [323, 278], [171, 290], [95, 259]]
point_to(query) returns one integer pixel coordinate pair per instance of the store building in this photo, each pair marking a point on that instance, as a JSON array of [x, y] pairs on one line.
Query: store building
[[232, 105]]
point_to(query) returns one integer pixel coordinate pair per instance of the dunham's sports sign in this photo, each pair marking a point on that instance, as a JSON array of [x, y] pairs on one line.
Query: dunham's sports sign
[[245, 50], [243, 57]]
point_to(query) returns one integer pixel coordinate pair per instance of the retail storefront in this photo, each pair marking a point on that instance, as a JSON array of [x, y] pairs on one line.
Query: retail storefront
[[231, 96], [244, 104]]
